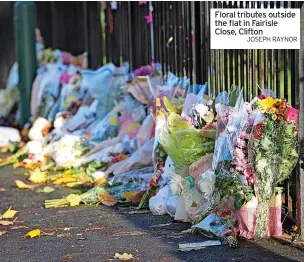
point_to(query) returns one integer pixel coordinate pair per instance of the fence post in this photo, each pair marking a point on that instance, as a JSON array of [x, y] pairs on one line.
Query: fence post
[[300, 167], [24, 21]]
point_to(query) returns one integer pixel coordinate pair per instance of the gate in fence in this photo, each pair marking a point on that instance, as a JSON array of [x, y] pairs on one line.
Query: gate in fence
[[177, 35]]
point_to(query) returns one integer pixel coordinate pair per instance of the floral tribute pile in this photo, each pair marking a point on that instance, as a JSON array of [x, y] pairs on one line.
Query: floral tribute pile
[[156, 141]]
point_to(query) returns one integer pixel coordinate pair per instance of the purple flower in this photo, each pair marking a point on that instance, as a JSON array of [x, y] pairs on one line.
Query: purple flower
[[143, 71]]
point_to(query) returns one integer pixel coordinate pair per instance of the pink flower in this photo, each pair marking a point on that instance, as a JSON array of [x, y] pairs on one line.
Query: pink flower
[[149, 18], [143, 71], [292, 115], [142, 2], [240, 168], [239, 153], [66, 58], [240, 142], [248, 172], [232, 170], [192, 38], [65, 78]]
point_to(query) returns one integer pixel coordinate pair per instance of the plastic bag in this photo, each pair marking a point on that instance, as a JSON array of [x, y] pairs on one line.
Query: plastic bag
[[194, 96], [171, 205], [247, 216], [230, 122], [99, 84], [145, 132], [200, 166], [119, 80], [142, 88], [8, 98], [13, 77], [214, 224], [105, 128], [143, 174], [140, 158], [157, 205]]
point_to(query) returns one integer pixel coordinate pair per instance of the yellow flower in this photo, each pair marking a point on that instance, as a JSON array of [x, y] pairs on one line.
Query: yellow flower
[[265, 122], [272, 110], [266, 103], [274, 117]]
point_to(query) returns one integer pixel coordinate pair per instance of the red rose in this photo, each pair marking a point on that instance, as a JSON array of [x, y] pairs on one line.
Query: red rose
[[225, 213]]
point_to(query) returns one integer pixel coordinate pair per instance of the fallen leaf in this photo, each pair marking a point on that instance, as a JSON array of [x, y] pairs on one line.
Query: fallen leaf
[[64, 235], [74, 200], [107, 199], [2, 189], [124, 257], [2, 233], [17, 164], [129, 195], [67, 228], [33, 233], [161, 225], [46, 189], [132, 233], [6, 223], [37, 176], [64, 180], [67, 256], [20, 184], [10, 213], [137, 198], [31, 165], [93, 229], [101, 180], [18, 227]]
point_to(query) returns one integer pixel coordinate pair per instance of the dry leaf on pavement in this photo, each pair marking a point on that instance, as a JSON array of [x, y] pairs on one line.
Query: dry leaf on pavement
[[6, 223], [18, 227], [37, 176], [67, 256], [107, 199], [124, 257], [20, 184], [10, 213], [2, 233], [33, 233]]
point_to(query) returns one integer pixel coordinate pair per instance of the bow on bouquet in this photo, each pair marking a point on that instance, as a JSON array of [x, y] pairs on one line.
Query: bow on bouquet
[[274, 152]]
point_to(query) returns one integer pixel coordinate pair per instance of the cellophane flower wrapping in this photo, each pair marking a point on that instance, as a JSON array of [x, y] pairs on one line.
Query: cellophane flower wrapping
[[273, 150], [230, 121], [182, 142]]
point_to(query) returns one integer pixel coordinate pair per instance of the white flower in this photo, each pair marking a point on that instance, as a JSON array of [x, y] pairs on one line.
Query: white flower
[[261, 164], [202, 109], [98, 174], [209, 117], [206, 182]]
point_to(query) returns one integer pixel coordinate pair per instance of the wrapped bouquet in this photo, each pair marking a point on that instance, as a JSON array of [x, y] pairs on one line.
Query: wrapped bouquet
[[274, 152]]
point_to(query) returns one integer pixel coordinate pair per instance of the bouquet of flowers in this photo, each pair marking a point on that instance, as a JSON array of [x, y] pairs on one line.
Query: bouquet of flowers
[[183, 142], [273, 146]]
